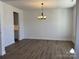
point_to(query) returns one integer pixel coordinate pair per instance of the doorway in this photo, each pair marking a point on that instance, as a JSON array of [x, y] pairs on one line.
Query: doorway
[[16, 26]]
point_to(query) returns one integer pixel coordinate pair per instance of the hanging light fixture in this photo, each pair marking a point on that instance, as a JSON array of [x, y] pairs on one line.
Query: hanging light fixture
[[42, 16]]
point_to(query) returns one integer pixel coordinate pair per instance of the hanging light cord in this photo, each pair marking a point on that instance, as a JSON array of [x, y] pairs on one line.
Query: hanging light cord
[[42, 9]]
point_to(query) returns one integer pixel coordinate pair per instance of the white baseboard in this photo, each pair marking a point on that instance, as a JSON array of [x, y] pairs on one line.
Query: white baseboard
[[39, 38], [3, 53]]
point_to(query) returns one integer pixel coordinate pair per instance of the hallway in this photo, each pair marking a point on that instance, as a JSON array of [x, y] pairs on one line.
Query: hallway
[[39, 49]]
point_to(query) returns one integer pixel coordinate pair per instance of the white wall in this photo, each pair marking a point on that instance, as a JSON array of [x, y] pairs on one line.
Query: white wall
[[7, 24], [57, 26], [74, 25], [2, 48], [77, 32]]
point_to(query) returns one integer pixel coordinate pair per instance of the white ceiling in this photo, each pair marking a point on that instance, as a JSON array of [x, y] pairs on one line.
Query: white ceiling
[[27, 4]]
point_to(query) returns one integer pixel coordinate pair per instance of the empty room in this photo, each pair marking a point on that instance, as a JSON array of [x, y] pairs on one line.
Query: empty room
[[38, 29]]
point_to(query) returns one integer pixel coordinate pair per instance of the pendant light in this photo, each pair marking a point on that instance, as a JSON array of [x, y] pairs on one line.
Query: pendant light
[[42, 16]]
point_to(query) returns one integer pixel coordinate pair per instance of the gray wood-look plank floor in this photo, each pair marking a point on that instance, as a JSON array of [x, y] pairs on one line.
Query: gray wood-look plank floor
[[39, 49]]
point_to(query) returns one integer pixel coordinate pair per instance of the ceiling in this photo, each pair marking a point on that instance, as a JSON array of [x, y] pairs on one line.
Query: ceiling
[[32, 4]]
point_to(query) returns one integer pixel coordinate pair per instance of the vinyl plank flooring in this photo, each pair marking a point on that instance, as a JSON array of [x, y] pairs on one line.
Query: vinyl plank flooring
[[39, 49]]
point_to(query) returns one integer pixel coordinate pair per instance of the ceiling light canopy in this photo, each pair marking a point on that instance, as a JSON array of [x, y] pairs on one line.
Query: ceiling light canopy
[[35, 4]]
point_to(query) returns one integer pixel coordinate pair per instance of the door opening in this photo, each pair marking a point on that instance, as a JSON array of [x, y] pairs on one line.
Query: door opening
[[16, 26]]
